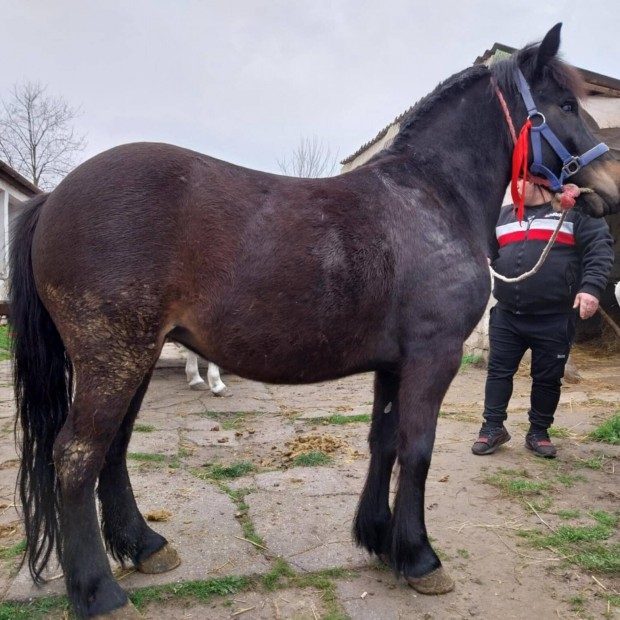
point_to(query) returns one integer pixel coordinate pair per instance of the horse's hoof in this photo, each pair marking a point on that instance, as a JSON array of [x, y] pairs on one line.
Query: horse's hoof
[[161, 561], [435, 582], [225, 393], [126, 612], [199, 387]]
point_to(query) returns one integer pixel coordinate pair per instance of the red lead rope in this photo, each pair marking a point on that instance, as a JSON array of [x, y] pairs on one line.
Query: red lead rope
[[519, 168]]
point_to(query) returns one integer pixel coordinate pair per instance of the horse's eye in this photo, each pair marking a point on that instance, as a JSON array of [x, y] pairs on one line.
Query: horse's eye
[[568, 106]]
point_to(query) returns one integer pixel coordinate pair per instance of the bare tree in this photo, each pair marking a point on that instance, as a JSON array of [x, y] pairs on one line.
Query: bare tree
[[36, 136], [310, 159]]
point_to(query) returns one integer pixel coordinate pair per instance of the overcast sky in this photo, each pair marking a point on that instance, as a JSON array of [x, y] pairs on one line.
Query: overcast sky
[[245, 80]]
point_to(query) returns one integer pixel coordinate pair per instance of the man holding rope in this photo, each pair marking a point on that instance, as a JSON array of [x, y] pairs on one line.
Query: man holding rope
[[539, 312]]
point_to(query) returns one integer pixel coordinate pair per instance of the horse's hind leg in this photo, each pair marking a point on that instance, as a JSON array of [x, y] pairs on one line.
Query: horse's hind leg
[[372, 525], [218, 387], [125, 531], [100, 403]]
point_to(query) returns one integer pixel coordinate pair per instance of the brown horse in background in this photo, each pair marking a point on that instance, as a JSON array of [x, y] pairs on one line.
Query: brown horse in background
[[276, 279]]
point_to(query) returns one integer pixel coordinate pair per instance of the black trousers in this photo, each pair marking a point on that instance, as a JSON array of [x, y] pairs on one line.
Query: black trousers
[[549, 336]]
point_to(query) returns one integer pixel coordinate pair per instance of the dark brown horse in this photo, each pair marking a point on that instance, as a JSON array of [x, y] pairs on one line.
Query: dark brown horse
[[277, 279]]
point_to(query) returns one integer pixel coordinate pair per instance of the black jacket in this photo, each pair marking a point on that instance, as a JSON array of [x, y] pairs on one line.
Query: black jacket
[[580, 260]]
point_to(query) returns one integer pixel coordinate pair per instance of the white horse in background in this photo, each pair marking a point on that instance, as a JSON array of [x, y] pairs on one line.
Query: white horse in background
[[196, 382]]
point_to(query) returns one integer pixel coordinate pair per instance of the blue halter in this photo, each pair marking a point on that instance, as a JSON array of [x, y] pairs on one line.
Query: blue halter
[[570, 164]]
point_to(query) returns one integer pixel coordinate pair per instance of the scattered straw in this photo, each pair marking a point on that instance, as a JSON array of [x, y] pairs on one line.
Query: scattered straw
[[242, 611], [252, 542], [158, 515]]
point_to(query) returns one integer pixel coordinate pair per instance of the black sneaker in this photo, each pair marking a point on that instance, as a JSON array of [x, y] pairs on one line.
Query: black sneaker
[[490, 439], [540, 444]]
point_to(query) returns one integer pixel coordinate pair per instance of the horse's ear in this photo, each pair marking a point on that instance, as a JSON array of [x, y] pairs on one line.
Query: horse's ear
[[549, 47]]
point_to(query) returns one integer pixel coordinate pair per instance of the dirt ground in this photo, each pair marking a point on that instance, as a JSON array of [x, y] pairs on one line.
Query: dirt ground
[[480, 525]]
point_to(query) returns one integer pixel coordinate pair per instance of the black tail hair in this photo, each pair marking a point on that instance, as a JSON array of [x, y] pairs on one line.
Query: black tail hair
[[43, 382]]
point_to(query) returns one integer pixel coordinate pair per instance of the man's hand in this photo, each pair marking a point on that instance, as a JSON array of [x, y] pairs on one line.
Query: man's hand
[[587, 304]]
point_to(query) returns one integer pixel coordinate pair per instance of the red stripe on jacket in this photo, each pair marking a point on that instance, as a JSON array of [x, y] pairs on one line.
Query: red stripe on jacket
[[535, 235]]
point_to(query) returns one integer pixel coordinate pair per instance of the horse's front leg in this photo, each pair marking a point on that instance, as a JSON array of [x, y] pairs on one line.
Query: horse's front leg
[[195, 381], [424, 381], [372, 527]]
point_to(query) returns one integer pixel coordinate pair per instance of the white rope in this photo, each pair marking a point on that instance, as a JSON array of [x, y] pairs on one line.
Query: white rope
[[541, 260]]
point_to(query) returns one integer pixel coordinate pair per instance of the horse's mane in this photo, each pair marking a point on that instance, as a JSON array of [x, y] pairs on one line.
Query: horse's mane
[[503, 72], [418, 112]]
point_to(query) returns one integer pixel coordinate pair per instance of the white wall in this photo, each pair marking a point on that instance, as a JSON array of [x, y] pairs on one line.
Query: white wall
[[10, 200]]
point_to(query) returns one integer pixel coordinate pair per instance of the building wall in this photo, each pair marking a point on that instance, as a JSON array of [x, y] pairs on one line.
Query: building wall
[[604, 110], [12, 196]]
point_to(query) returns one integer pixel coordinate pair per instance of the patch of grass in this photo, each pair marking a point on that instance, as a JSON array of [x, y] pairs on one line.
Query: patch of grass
[[201, 591], [144, 428], [463, 553], [216, 471], [238, 496], [249, 532], [8, 553], [596, 462], [39, 609], [471, 360], [577, 603], [280, 576], [147, 457], [322, 580], [338, 418], [570, 481], [516, 483], [312, 459], [228, 421], [612, 599], [5, 343], [275, 578], [557, 431], [568, 514], [175, 461], [542, 504], [606, 519], [608, 432], [585, 545]]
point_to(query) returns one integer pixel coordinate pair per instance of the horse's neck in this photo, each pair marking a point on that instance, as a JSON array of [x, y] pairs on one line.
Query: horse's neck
[[463, 146]]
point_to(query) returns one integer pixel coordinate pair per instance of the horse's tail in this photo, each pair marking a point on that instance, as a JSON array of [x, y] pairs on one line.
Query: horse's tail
[[43, 381]]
